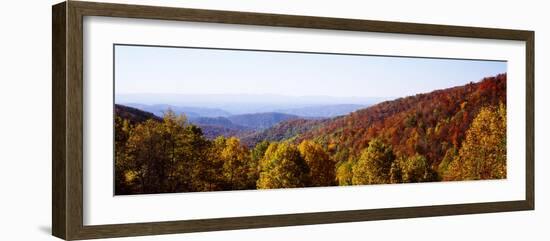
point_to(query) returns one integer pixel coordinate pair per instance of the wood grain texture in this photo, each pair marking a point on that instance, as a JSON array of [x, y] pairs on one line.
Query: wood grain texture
[[67, 100], [530, 120], [74, 110], [122, 230], [59, 193], [279, 20]]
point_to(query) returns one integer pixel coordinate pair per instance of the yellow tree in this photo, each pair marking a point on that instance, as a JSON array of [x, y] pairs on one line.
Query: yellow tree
[[321, 167], [415, 169], [184, 149], [144, 155], [163, 156], [124, 177], [235, 159], [483, 152], [449, 157], [344, 172], [282, 167], [211, 176], [396, 172], [175, 164], [373, 167]]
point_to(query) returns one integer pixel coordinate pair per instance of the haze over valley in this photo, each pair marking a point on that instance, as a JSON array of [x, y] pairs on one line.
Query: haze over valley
[[243, 115]]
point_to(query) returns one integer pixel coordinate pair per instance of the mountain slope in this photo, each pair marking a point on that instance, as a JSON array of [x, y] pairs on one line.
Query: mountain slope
[[189, 111], [217, 121], [323, 110], [236, 125], [211, 129], [260, 121], [240, 125], [134, 115], [427, 124], [282, 131], [219, 126]]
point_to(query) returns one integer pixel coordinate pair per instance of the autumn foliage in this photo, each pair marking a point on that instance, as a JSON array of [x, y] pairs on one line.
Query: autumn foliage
[[446, 135]]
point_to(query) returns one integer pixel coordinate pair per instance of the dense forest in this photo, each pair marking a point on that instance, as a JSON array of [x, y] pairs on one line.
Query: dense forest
[[451, 134]]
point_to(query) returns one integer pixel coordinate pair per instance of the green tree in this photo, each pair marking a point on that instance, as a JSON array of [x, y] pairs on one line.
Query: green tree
[[259, 150], [282, 167], [373, 167], [256, 154], [321, 167], [483, 152]]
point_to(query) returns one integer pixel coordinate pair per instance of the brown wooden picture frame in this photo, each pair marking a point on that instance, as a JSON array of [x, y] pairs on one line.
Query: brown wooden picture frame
[[67, 123]]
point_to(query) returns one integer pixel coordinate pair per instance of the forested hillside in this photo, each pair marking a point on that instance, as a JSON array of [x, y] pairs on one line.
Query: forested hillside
[[260, 121], [451, 134], [287, 130], [323, 110], [189, 111], [134, 115], [432, 125]]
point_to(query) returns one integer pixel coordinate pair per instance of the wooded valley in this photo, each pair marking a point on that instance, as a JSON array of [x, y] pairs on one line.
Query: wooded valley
[[451, 134]]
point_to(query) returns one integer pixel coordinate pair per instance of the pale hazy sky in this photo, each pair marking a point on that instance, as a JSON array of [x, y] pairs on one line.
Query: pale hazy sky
[[141, 69]]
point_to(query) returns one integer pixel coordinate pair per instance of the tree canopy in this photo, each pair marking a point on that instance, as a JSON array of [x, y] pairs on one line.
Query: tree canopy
[[450, 135], [483, 153], [373, 167], [283, 167]]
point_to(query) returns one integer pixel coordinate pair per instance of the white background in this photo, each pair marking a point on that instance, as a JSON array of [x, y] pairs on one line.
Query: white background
[[25, 134]]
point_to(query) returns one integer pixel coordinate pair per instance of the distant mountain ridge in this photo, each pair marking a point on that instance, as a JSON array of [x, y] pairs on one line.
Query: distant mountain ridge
[[216, 121], [260, 121], [244, 103], [189, 111], [286, 130], [134, 115], [234, 125], [323, 110]]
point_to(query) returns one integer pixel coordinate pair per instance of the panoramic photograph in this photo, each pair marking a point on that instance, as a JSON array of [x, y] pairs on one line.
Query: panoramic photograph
[[202, 119]]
